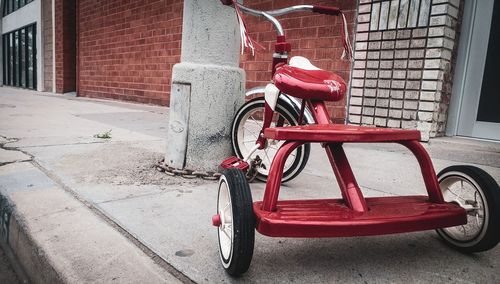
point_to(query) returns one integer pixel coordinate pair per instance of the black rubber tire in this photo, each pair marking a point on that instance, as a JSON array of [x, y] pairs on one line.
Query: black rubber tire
[[489, 235], [292, 116], [243, 222]]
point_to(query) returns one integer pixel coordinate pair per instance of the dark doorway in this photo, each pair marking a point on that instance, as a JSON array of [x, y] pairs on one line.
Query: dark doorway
[[489, 102]]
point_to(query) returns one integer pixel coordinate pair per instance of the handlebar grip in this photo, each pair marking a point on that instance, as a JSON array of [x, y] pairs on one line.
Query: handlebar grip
[[325, 10], [227, 2]]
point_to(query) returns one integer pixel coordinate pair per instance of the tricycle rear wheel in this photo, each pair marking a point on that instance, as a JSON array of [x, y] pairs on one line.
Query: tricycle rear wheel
[[236, 232], [477, 192]]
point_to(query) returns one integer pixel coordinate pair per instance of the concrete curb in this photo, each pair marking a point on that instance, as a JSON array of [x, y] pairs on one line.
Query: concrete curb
[[28, 259], [58, 239]]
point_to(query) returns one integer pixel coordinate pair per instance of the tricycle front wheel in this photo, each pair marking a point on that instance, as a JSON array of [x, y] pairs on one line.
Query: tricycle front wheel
[[478, 193], [236, 222]]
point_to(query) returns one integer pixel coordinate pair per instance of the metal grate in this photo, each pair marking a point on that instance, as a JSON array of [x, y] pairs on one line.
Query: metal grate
[[399, 14]]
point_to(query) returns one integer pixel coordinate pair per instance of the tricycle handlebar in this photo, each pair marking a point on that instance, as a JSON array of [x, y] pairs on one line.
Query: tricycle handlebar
[[269, 15], [326, 10]]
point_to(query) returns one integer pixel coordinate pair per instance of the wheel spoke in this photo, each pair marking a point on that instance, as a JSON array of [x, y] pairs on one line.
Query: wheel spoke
[[269, 159], [226, 207], [458, 196], [250, 132], [255, 121], [226, 233]]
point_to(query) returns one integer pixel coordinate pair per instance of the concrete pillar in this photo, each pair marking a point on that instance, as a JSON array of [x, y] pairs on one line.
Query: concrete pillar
[[207, 87]]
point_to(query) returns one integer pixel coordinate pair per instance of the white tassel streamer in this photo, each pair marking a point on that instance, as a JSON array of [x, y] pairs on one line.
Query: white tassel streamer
[[246, 41], [347, 53]]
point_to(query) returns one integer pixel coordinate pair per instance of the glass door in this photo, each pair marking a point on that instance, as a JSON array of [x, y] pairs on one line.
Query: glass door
[[479, 111]]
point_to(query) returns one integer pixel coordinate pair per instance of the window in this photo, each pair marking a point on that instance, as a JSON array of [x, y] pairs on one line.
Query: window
[[10, 6], [19, 57], [22, 54]]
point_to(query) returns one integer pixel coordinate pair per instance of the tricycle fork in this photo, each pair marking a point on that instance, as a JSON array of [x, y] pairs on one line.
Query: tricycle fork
[[271, 100]]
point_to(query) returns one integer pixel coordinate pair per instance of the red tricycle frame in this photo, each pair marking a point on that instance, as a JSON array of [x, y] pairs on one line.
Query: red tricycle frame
[[352, 214], [269, 220]]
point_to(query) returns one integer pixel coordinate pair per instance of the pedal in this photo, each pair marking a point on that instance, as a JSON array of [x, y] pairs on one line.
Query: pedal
[[234, 163]]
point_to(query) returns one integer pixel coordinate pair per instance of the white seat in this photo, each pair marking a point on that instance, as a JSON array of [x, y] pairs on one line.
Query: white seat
[[302, 63]]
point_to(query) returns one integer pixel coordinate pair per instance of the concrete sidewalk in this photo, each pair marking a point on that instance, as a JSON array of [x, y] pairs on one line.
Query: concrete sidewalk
[[54, 171]]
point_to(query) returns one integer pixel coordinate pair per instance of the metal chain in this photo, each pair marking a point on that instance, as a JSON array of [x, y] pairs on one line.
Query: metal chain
[[186, 173]]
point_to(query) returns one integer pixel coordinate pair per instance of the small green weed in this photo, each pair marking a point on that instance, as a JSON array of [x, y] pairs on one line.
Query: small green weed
[[104, 135]]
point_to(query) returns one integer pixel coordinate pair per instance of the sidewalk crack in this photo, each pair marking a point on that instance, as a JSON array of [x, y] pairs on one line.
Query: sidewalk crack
[[8, 148]]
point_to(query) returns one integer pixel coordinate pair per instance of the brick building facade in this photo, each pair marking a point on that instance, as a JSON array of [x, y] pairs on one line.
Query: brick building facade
[[424, 64], [127, 51], [403, 55], [48, 51], [65, 45], [403, 74]]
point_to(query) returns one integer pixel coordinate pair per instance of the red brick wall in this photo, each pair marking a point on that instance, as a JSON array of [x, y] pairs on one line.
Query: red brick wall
[[65, 47], [47, 45], [314, 36], [127, 48]]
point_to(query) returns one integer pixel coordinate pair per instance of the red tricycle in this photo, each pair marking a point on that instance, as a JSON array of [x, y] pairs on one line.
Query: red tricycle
[[271, 137]]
